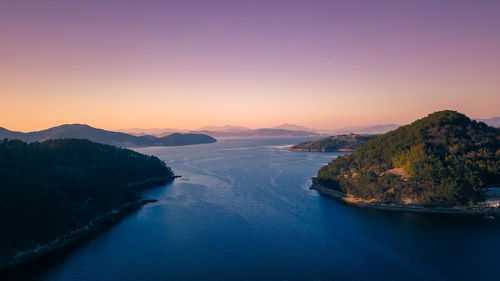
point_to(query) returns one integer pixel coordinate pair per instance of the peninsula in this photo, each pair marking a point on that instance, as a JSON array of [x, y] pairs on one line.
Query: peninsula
[[333, 143], [444, 160], [56, 192]]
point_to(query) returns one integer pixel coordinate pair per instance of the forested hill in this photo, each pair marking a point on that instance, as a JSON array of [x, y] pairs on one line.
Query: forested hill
[[82, 131], [51, 188], [334, 143], [442, 159]]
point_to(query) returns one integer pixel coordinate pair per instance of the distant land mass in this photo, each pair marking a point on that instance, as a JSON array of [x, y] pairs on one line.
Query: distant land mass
[[226, 128], [232, 131], [291, 130], [267, 132], [241, 131], [362, 130], [371, 130], [333, 143], [442, 160], [157, 132], [54, 192], [494, 122], [293, 127], [82, 131], [384, 128]]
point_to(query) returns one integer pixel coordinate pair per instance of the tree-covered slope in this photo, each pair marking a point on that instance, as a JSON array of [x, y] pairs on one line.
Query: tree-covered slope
[[442, 159], [50, 188], [334, 143], [177, 139]]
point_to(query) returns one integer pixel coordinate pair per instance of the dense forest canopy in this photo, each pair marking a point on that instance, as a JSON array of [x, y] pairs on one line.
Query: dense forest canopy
[[442, 159], [348, 142], [50, 188]]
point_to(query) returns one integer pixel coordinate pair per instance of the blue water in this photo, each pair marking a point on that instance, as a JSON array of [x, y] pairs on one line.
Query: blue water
[[243, 211]]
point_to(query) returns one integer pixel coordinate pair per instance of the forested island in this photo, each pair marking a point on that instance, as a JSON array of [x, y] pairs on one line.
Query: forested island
[[55, 192], [333, 143], [442, 160]]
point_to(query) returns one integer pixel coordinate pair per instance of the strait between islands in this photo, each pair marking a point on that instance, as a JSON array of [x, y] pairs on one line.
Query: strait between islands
[[56, 192]]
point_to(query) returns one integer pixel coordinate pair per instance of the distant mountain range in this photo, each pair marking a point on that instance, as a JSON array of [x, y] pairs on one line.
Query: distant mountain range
[[493, 122], [227, 128], [158, 132], [82, 131], [290, 130], [285, 130], [230, 131], [293, 127], [374, 129], [267, 132], [282, 130], [384, 128]]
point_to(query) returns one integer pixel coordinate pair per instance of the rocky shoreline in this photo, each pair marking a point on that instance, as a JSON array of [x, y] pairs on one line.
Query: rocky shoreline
[[351, 201], [338, 143], [320, 150], [95, 226]]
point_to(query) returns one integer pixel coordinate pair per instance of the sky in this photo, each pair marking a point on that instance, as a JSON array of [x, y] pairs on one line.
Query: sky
[[118, 64]]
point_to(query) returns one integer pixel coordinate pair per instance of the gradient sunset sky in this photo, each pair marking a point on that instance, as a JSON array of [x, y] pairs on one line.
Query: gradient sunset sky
[[185, 64]]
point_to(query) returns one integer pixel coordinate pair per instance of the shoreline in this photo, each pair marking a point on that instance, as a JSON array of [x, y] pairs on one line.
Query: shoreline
[[351, 201], [327, 151], [152, 181], [73, 238]]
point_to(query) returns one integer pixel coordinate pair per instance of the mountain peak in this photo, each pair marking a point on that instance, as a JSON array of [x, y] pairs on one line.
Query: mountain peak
[[73, 125], [293, 127]]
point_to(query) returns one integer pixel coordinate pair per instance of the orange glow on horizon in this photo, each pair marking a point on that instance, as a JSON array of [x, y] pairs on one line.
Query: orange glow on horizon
[[255, 66]]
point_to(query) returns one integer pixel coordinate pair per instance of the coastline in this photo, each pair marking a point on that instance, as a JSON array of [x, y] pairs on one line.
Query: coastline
[[152, 181], [318, 150], [351, 201], [94, 227]]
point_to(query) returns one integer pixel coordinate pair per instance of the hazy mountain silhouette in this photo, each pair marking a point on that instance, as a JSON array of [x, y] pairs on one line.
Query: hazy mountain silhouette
[[227, 128], [293, 127], [158, 132], [232, 131], [266, 132], [373, 129], [82, 131], [370, 129], [493, 122]]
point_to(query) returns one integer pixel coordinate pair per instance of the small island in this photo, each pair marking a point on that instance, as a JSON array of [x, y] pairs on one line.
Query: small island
[[333, 143], [443, 163], [56, 192]]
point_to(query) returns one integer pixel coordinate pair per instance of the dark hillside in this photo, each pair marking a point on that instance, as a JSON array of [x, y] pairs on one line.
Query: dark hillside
[[53, 187], [334, 143], [82, 131]]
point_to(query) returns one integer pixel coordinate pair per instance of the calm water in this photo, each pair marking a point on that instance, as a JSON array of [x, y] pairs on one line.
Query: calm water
[[243, 211]]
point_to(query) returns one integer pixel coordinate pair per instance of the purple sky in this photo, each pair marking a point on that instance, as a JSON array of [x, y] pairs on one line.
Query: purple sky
[[327, 64]]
